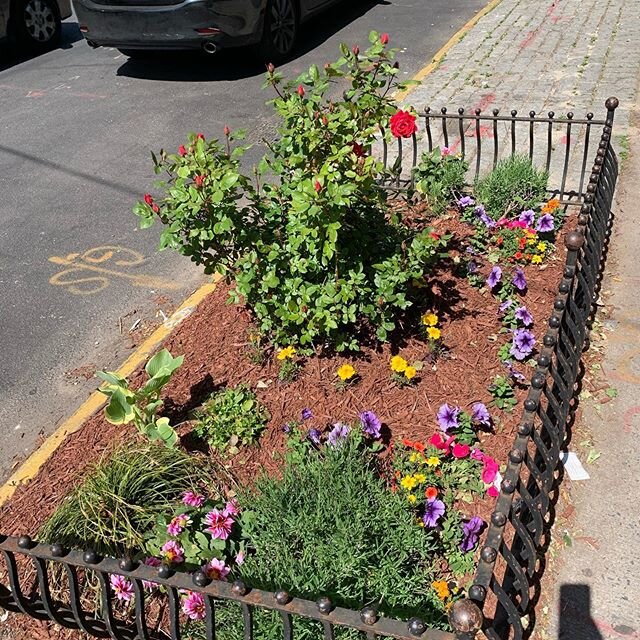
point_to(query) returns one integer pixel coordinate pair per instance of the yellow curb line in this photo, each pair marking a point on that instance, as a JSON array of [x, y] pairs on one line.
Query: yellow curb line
[[32, 465], [442, 52]]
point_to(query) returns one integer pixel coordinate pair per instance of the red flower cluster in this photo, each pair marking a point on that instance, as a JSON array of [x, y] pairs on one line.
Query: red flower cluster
[[148, 199], [403, 124]]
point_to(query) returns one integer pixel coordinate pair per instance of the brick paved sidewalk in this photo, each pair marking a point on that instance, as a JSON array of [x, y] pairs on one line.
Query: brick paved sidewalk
[[570, 55]]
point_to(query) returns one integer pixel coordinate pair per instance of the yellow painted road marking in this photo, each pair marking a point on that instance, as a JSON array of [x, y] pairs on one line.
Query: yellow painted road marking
[[77, 281], [30, 467]]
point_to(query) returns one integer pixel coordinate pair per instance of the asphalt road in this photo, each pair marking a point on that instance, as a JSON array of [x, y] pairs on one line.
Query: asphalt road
[[76, 128]]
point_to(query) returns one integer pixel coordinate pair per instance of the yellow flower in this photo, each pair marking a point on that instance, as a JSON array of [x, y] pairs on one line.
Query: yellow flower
[[420, 477], [346, 372], [287, 352], [441, 588], [414, 457], [412, 499], [536, 259], [530, 234], [430, 319], [433, 461], [531, 241], [398, 364], [541, 246], [410, 373], [408, 483], [434, 333]]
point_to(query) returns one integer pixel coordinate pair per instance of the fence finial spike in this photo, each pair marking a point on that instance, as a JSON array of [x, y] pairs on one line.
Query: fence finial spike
[[612, 103]]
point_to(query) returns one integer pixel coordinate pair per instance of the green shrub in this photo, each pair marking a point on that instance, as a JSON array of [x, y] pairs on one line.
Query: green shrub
[[513, 186], [311, 247], [230, 418], [121, 498], [438, 177]]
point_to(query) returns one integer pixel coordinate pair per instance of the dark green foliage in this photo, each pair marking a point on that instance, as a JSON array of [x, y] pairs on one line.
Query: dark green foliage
[[513, 186]]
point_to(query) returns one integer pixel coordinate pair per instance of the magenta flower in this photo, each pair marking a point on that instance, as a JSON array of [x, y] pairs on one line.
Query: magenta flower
[[232, 508], [122, 588], [527, 217], [433, 511], [494, 277], [519, 280], [460, 450], [193, 606], [172, 552], [545, 223], [448, 417], [151, 562], [466, 201], [523, 342], [338, 434], [371, 424], [177, 524], [490, 470], [471, 533], [476, 454], [480, 414], [216, 570], [524, 316], [192, 499], [445, 151], [219, 524], [493, 492]]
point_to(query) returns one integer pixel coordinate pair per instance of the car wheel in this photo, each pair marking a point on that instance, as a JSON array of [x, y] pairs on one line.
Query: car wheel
[[280, 32], [36, 24]]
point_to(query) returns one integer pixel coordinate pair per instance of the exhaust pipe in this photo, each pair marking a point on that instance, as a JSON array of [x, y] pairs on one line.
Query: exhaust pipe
[[209, 47]]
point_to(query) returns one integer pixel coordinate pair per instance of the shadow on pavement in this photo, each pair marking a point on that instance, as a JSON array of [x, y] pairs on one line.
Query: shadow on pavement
[[575, 621], [236, 64], [9, 57]]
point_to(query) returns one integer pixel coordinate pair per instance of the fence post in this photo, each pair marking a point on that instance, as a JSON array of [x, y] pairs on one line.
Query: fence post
[[466, 619]]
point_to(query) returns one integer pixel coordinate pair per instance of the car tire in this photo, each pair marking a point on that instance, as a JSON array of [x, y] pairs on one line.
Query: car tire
[[280, 30], [36, 25]]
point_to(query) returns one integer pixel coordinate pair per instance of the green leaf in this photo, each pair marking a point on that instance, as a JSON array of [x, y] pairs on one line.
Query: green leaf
[[120, 410]]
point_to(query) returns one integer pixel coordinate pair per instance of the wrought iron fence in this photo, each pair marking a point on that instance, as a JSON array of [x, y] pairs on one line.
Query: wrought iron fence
[[505, 588]]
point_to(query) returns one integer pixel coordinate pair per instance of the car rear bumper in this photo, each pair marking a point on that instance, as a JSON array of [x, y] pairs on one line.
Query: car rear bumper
[[171, 26]]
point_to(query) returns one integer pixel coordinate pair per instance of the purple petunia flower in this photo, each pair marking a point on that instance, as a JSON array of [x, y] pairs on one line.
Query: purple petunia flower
[[505, 305], [480, 414], [527, 216], [448, 417], [494, 277], [545, 223], [314, 435], [472, 266], [523, 341], [484, 218], [338, 434], [524, 316], [286, 428], [433, 511], [470, 250], [514, 373], [519, 280], [466, 201], [306, 414], [471, 533], [371, 424]]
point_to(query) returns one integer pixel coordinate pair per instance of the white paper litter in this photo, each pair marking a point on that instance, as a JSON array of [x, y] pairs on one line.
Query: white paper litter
[[497, 480], [573, 466]]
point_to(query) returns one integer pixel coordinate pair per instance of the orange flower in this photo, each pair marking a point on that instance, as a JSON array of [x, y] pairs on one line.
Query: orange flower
[[418, 446], [551, 206], [499, 240], [408, 443], [431, 493]]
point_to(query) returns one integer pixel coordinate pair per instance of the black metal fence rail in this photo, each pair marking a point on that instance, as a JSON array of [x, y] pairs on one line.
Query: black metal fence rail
[[505, 587]]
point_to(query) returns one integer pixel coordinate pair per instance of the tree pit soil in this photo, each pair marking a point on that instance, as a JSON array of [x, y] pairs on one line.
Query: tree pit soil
[[215, 341]]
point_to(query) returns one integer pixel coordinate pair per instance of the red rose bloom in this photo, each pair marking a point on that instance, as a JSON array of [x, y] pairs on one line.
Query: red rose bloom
[[384, 38], [358, 149], [182, 150], [199, 180], [403, 124], [148, 199]]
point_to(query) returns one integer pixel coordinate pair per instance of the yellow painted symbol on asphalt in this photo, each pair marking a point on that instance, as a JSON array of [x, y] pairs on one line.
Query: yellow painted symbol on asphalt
[[86, 273]]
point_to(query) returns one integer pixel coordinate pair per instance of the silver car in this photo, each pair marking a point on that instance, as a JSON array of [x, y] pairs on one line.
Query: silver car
[[137, 25], [33, 25]]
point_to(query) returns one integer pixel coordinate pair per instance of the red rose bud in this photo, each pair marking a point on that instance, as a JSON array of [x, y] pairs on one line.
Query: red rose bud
[[199, 181], [226, 130], [384, 38], [358, 149], [270, 68], [148, 198], [200, 136], [317, 186], [155, 208], [182, 150], [325, 122], [301, 91], [356, 50], [434, 235]]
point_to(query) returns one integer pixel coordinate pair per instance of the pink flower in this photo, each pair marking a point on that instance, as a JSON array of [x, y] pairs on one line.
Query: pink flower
[[192, 499], [493, 492], [231, 508], [172, 552], [476, 454], [216, 570], [219, 524], [445, 151], [193, 606], [240, 558], [175, 527], [461, 450], [490, 470], [182, 150], [151, 562], [122, 588]]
